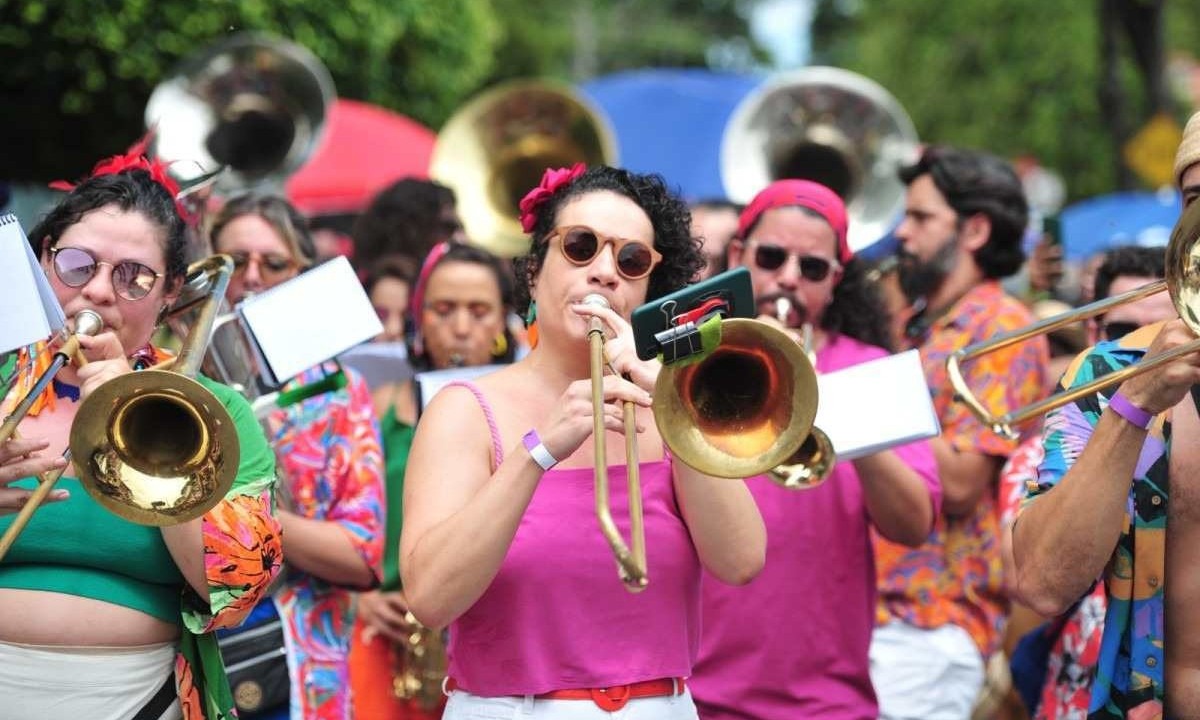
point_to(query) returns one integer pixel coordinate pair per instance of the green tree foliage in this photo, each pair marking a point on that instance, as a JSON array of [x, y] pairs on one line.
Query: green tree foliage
[[77, 74], [1013, 77]]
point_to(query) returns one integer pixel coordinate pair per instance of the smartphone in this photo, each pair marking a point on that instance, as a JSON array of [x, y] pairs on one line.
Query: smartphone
[[732, 287], [1052, 229]]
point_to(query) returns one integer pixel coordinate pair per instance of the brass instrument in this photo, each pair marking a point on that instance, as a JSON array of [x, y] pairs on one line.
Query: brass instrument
[[631, 557], [828, 125], [254, 104], [494, 149], [812, 462], [422, 669], [1182, 281], [154, 447]]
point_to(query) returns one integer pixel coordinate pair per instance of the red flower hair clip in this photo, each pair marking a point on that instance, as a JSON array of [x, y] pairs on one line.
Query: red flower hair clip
[[135, 158], [552, 180]]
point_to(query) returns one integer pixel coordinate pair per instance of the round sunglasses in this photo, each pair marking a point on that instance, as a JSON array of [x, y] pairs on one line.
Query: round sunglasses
[[580, 243], [770, 256], [75, 267]]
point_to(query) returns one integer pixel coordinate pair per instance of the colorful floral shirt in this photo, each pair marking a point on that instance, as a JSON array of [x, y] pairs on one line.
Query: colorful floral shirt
[[1129, 674], [331, 464], [957, 575], [241, 538], [1066, 689]]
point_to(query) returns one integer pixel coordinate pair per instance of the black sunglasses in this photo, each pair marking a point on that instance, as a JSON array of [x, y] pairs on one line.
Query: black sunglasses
[[1118, 329], [75, 267], [769, 256]]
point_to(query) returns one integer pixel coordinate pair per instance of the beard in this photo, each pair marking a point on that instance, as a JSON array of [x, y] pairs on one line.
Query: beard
[[920, 279]]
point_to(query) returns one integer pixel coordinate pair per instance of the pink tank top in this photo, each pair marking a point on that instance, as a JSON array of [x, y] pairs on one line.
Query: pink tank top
[[557, 617]]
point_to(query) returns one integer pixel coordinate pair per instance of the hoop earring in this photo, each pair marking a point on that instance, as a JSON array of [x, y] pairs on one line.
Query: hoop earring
[[499, 345]]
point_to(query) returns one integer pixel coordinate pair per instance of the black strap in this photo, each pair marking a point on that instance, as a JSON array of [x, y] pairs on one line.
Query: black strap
[[1196, 397], [154, 709]]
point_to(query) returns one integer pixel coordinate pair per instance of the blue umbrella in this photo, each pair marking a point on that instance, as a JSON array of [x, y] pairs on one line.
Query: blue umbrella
[[670, 121], [1125, 218]]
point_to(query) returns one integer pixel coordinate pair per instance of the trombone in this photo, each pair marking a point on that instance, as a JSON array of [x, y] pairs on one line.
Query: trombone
[[154, 447], [631, 557], [1182, 281]]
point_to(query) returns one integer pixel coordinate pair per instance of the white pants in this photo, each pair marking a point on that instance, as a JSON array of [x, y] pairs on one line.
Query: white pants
[[925, 674], [465, 706], [73, 683]]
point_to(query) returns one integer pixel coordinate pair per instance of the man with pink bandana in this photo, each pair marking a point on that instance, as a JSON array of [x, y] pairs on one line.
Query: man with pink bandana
[[794, 642]]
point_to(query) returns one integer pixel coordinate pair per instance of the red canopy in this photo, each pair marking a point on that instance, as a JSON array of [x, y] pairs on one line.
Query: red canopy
[[366, 148]]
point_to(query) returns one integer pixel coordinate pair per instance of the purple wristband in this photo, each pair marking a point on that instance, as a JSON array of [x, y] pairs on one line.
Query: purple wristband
[[538, 451], [1136, 416]]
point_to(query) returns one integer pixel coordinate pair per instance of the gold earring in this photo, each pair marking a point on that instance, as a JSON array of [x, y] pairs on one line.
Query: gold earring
[[499, 345]]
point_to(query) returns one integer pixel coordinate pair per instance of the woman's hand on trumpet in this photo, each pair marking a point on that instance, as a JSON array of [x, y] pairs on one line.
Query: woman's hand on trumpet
[[106, 360], [620, 351], [572, 420], [22, 458], [386, 614]]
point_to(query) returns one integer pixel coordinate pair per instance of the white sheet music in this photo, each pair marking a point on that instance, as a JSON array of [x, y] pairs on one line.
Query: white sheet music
[[310, 318], [876, 405], [28, 309]]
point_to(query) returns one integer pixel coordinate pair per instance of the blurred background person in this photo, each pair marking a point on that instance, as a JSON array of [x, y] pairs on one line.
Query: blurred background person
[[101, 617], [715, 223], [942, 605], [331, 472], [465, 296], [802, 650], [408, 217]]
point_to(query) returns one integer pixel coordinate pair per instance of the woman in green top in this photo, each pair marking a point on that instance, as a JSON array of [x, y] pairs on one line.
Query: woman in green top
[[99, 617], [459, 308]]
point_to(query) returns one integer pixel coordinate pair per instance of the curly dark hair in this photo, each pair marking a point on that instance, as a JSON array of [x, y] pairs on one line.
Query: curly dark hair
[[405, 218], [857, 308], [668, 215], [1129, 260], [397, 267], [132, 191], [974, 182]]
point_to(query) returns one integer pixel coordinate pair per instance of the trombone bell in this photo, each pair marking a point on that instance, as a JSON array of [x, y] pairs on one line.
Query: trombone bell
[[742, 410]]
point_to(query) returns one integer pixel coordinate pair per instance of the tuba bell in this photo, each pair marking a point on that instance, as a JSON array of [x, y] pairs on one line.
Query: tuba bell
[[828, 125], [494, 149], [254, 104]]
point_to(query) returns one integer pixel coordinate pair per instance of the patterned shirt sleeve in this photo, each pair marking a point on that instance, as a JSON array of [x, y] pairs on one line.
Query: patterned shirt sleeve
[[241, 536], [360, 508]]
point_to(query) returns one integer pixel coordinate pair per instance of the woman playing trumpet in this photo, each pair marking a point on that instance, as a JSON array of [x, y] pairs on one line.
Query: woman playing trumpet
[[499, 539], [99, 617]]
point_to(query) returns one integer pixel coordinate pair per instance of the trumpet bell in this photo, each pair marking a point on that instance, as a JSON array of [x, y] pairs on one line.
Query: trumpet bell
[[495, 149], [155, 447], [742, 410], [809, 466]]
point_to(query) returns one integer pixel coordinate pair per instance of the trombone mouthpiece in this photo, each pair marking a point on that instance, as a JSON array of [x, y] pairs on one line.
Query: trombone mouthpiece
[[595, 324], [88, 322]]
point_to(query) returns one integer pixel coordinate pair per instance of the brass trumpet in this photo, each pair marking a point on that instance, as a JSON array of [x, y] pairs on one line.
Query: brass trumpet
[[153, 447], [1182, 281]]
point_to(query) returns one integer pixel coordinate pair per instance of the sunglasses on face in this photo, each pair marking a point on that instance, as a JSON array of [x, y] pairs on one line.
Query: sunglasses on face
[[580, 244], [75, 267], [769, 256], [1118, 329], [269, 265]]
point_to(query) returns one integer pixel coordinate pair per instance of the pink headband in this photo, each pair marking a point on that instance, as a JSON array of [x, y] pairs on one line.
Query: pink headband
[[418, 293], [801, 193]]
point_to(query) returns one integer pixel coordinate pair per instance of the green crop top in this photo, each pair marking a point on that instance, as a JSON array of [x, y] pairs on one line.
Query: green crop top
[[77, 547]]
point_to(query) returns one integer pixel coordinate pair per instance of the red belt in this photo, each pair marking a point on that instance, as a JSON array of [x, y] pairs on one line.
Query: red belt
[[610, 699]]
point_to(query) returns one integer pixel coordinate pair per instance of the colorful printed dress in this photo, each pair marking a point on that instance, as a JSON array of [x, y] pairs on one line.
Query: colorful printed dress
[[241, 537], [331, 464]]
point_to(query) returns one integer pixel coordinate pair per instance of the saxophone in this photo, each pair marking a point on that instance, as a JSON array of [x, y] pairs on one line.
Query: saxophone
[[420, 665]]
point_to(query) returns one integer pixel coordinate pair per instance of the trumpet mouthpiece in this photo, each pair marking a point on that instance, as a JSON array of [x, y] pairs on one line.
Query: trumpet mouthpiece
[[88, 322]]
